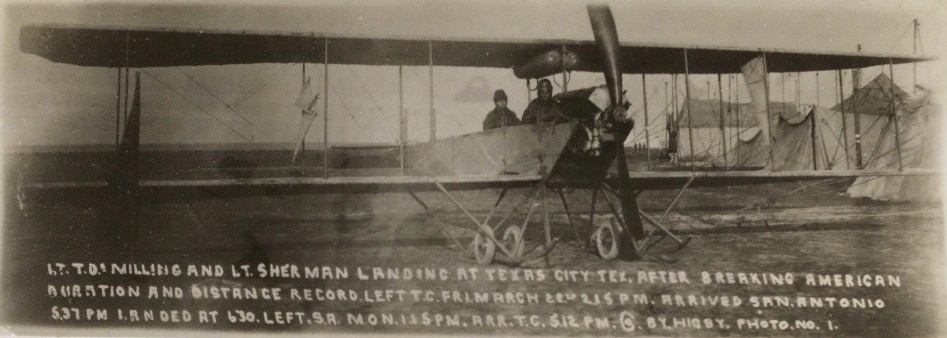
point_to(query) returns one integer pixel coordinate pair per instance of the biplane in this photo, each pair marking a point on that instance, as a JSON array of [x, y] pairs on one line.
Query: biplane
[[545, 159]]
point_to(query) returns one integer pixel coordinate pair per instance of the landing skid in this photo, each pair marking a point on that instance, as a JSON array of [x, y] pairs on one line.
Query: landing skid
[[489, 246], [512, 248], [658, 231]]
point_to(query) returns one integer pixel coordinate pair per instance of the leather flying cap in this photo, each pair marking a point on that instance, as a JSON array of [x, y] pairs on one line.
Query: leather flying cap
[[499, 95]]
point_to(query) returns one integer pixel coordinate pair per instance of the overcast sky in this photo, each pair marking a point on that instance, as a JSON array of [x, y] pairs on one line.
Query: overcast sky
[[49, 103]]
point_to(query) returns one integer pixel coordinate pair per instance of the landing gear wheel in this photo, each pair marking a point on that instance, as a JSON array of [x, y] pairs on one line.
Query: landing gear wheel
[[511, 237], [607, 241], [484, 248], [593, 238]]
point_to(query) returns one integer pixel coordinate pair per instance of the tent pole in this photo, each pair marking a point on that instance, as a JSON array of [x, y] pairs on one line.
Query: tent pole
[[402, 132], [856, 85], [723, 130], [687, 102], [769, 116], [894, 115], [325, 110], [841, 96], [647, 136], [430, 59]]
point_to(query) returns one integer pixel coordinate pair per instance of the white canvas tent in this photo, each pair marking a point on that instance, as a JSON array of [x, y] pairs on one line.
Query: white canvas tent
[[806, 137], [918, 133]]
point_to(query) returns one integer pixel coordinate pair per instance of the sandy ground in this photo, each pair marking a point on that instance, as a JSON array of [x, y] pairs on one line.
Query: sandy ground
[[741, 237], [814, 231]]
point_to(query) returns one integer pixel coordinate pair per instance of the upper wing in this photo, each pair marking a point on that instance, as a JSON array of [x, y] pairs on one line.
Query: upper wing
[[121, 47]]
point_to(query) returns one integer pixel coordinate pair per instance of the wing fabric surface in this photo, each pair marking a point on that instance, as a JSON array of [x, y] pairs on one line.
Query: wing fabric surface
[[154, 47]]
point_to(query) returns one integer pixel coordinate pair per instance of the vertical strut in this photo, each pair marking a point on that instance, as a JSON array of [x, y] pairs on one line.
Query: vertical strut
[[894, 115], [815, 123], [723, 129], [769, 116], [430, 55], [303, 144], [737, 99], [529, 94], [647, 135], [856, 84], [562, 59], [917, 32], [674, 118], [798, 99], [118, 108], [687, 102], [325, 111], [592, 207], [818, 92], [841, 98], [667, 100], [402, 124], [127, 56]]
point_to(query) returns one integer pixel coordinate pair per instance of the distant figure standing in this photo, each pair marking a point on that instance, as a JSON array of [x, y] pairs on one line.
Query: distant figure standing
[[500, 116], [542, 109]]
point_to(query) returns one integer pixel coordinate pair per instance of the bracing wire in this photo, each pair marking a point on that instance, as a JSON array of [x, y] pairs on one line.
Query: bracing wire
[[240, 100], [244, 118], [196, 106], [345, 106]]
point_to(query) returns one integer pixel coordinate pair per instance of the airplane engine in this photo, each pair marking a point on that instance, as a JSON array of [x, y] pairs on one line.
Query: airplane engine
[[590, 106], [586, 103]]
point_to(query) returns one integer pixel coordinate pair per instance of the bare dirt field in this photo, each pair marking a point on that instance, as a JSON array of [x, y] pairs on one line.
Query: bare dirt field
[[809, 262], [764, 260]]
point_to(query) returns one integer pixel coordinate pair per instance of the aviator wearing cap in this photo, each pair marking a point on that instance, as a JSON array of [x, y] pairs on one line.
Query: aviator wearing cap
[[544, 83], [499, 95], [544, 89]]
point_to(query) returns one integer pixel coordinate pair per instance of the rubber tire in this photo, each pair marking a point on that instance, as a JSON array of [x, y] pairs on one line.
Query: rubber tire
[[604, 233], [511, 236], [484, 249]]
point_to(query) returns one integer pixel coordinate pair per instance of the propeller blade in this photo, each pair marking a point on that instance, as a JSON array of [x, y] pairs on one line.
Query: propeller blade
[[606, 37], [629, 203]]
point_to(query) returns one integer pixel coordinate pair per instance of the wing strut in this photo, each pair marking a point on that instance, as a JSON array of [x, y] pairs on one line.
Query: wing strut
[[125, 178]]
